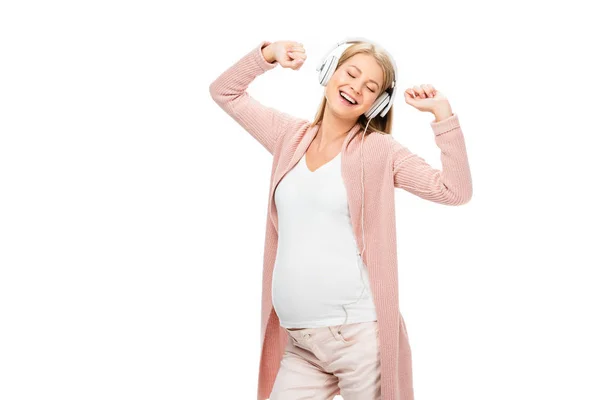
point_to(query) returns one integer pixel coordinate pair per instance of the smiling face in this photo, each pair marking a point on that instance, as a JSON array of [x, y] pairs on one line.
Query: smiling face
[[360, 77]]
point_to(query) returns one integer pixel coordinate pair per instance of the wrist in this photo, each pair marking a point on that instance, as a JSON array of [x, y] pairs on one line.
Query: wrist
[[442, 111], [268, 53]]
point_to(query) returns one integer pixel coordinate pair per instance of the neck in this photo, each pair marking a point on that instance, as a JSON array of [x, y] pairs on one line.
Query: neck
[[333, 128]]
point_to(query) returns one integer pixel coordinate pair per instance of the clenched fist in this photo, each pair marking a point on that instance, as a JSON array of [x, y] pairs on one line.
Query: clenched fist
[[288, 54]]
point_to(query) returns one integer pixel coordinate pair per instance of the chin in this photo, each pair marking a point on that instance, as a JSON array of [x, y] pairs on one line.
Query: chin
[[341, 112]]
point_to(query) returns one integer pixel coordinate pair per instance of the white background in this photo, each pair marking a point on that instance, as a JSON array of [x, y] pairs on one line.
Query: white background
[[133, 209]]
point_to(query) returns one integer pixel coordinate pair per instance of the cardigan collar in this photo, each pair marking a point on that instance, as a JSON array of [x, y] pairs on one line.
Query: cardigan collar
[[301, 148]]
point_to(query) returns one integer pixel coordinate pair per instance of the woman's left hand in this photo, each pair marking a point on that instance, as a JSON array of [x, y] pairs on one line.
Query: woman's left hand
[[425, 98]]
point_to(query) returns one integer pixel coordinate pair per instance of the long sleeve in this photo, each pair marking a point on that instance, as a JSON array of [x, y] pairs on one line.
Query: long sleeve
[[264, 123], [453, 184]]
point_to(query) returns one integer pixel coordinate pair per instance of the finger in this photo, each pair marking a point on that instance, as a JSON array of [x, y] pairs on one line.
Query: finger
[[433, 90], [420, 92], [296, 55], [294, 47], [288, 63], [296, 64], [428, 89]]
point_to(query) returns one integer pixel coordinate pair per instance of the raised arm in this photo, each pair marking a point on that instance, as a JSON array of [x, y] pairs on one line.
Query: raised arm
[[452, 185], [264, 123]]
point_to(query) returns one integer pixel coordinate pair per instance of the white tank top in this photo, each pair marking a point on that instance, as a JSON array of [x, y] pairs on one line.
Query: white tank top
[[318, 267]]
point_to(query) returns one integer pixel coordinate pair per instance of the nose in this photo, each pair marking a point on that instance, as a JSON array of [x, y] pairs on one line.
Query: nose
[[354, 90]]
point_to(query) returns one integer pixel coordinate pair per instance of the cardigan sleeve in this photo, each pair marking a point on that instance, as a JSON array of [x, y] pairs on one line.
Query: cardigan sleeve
[[450, 186], [229, 91]]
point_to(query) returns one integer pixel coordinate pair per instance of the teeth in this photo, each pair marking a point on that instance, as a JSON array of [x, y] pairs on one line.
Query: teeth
[[347, 97]]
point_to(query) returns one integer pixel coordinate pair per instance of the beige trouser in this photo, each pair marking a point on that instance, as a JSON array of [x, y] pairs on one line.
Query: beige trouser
[[318, 360]]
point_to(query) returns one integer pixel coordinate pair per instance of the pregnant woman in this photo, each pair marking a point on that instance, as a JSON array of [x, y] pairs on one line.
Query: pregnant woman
[[330, 318]]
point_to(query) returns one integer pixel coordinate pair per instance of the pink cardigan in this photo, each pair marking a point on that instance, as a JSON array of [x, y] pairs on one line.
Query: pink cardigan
[[387, 165]]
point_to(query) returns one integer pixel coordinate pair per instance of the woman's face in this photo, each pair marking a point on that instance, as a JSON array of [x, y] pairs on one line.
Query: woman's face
[[359, 77]]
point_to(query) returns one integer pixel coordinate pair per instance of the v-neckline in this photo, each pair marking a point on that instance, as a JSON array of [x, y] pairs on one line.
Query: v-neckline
[[321, 167]]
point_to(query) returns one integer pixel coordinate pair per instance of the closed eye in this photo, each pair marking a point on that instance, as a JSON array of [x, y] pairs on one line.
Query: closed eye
[[354, 77]]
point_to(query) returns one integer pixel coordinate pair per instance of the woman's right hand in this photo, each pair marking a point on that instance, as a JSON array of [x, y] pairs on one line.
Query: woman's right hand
[[288, 54]]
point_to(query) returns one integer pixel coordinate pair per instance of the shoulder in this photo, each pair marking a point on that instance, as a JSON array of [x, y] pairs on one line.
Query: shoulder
[[384, 142], [395, 148], [293, 127]]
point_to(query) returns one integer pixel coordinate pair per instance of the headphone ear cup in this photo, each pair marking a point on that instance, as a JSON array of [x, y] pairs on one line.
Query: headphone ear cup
[[328, 69], [379, 105]]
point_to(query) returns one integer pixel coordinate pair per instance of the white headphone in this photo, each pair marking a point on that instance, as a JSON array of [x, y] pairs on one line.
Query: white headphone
[[329, 64], [380, 106]]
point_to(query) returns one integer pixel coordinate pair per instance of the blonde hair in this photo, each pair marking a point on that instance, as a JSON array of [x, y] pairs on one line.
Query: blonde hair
[[378, 123]]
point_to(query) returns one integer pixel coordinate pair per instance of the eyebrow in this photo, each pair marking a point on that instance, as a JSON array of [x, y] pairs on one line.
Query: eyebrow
[[371, 80]]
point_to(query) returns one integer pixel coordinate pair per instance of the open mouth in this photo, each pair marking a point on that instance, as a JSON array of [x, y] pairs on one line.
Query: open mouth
[[345, 100]]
